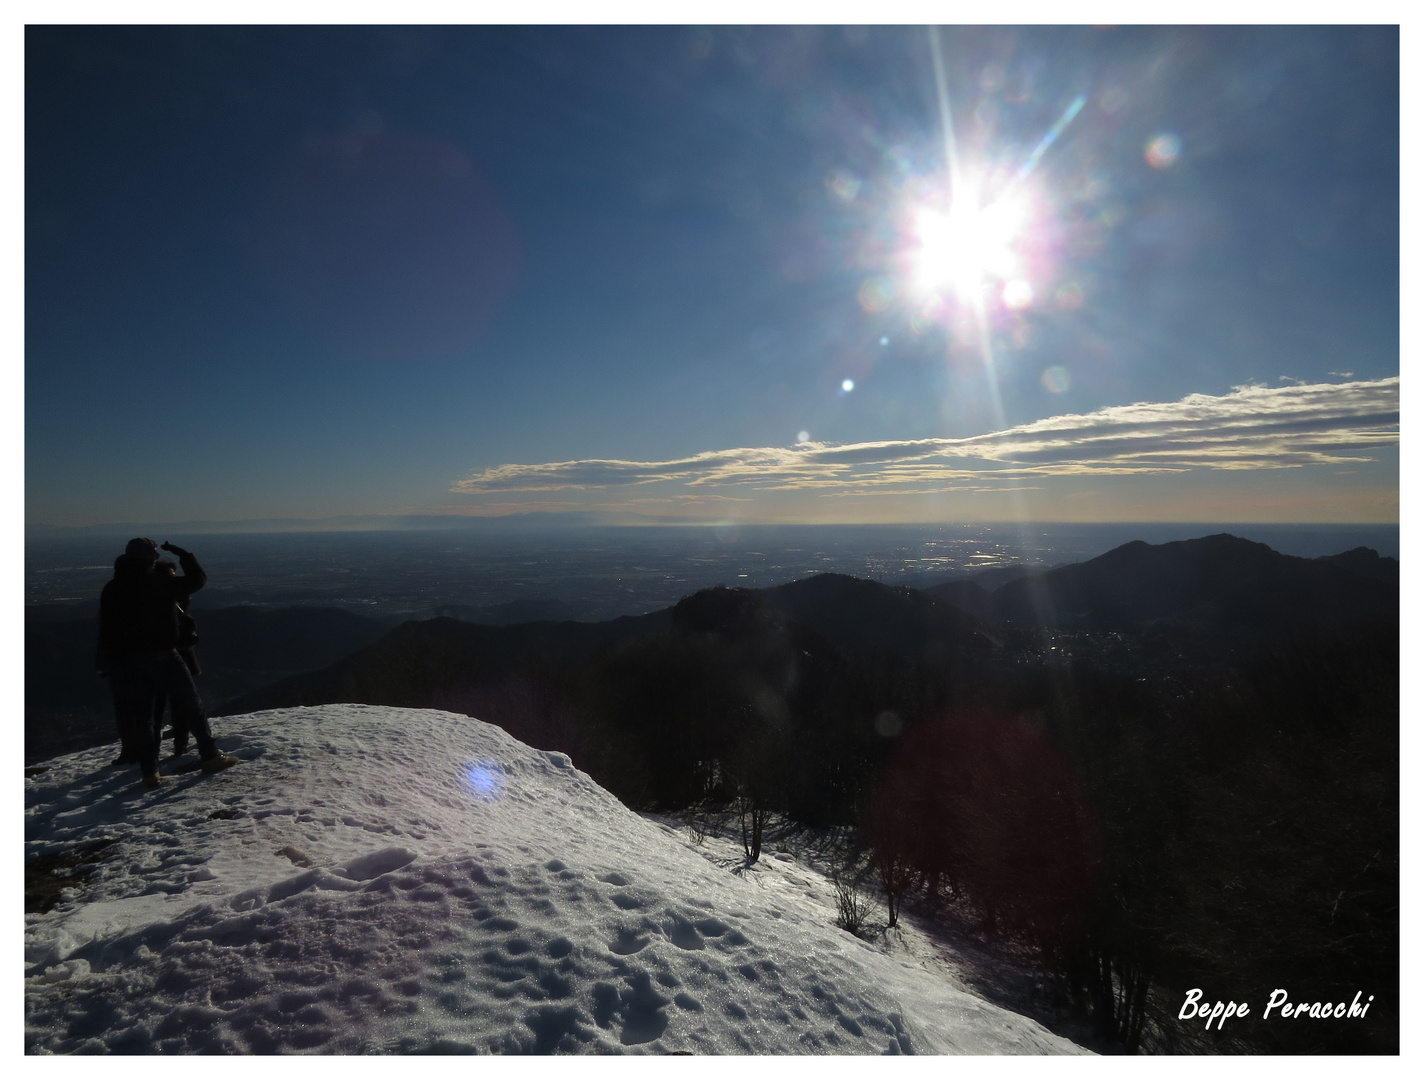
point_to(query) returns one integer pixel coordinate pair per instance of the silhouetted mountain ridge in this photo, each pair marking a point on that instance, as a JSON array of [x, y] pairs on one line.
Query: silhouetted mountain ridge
[[510, 614], [1366, 562], [1220, 583], [858, 613], [1213, 588]]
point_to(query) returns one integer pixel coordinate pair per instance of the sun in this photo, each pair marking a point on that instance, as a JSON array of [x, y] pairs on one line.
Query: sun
[[970, 243]]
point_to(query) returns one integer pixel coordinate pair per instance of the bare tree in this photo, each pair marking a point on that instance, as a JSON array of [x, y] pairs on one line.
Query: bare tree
[[753, 811], [852, 905]]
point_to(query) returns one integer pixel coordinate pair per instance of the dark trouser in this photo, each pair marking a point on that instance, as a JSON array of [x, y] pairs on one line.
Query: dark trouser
[[180, 729], [137, 684]]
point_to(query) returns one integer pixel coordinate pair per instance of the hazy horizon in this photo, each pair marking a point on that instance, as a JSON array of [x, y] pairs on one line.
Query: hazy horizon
[[539, 523], [593, 573]]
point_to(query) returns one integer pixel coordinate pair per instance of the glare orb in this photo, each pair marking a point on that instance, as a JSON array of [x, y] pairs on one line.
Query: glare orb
[[1018, 293], [1055, 379], [1163, 151], [875, 294], [843, 185], [484, 779], [888, 724]]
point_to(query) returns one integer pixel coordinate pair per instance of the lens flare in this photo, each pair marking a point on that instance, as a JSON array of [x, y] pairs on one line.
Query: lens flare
[[843, 185], [888, 725], [484, 779], [1018, 294], [1163, 151], [393, 247], [875, 294], [1070, 296], [1055, 379]]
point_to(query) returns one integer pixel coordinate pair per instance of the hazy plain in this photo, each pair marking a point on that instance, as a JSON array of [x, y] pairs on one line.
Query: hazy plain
[[591, 574]]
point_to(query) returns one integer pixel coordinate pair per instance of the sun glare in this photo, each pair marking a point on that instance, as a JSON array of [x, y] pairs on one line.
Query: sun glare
[[960, 249]]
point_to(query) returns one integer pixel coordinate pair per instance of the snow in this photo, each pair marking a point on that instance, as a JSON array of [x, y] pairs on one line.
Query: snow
[[382, 880]]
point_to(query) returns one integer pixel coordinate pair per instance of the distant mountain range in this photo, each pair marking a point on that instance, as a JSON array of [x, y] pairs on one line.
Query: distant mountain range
[[1218, 585], [1219, 589]]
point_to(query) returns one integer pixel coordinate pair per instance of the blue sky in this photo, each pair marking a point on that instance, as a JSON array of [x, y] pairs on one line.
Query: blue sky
[[721, 273]]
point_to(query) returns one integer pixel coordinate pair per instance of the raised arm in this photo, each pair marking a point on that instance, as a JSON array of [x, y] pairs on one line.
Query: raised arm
[[192, 578]]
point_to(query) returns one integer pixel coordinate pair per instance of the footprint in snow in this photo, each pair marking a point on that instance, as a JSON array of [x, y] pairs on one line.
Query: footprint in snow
[[628, 942]]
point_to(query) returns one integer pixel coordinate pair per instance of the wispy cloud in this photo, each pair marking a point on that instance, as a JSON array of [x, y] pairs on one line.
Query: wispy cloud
[[1253, 427]]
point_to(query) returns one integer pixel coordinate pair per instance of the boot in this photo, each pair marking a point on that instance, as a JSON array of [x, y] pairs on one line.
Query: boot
[[152, 780], [218, 762]]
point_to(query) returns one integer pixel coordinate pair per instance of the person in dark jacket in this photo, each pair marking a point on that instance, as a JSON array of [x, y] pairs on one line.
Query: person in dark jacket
[[139, 635], [187, 638], [127, 754]]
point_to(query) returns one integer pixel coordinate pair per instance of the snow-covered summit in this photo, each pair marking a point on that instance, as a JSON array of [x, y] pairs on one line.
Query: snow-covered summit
[[375, 880]]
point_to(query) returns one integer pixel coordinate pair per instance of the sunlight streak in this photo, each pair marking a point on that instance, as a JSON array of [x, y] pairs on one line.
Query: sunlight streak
[[956, 187], [1053, 133], [969, 243]]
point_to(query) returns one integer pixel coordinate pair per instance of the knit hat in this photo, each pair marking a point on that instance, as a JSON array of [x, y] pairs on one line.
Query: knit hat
[[142, 549]]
